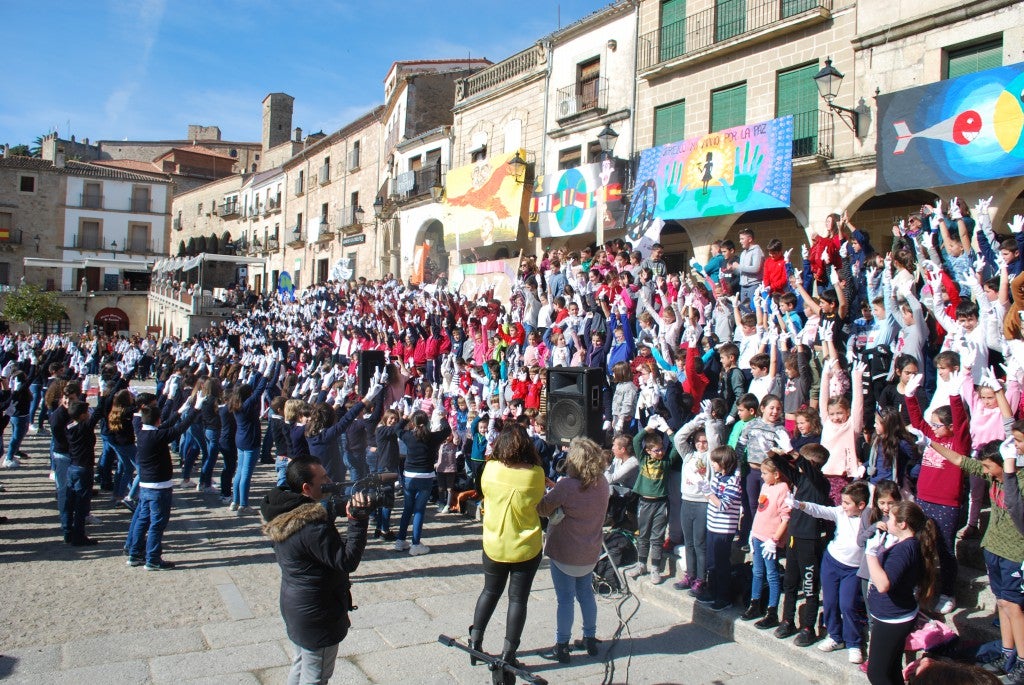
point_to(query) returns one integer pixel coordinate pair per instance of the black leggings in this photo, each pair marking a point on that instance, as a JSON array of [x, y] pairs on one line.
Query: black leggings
[[885, 652], [496, 574], [803, 574]]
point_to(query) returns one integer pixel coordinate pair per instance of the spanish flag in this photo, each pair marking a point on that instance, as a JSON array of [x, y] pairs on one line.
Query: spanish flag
[[5, 234]]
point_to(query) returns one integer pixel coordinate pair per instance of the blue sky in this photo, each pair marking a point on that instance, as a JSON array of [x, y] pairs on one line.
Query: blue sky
[[146, 69]]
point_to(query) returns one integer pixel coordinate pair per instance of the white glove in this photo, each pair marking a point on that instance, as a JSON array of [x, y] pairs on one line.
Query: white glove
[[825, 331], [843, 250], [792, 502], [199, 400], [785, 255], [922, 440], [804, 252], [1008, 450], [769, 550], [825, 258], [913, 383], [989, 380], [1017, 225], [954, 210], [876, 544], [704, 487]]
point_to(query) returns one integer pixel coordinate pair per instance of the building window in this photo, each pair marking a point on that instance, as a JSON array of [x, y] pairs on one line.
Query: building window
[[672, 33], [89, 235], [353, 205], [594, 152], [588, 75], [730, 18], [974, 58], [138, 238], [669, 123], [353, 156], [6, 226], [5, 273], [793, 7], [92, 196], [797, 94], [27, 184], [729, 107], [569, 158], [141, 201], [352, 263], [233, 153]]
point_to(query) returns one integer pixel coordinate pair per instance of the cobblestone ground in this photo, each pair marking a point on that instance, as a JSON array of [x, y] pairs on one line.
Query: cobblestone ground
[[80, 615]]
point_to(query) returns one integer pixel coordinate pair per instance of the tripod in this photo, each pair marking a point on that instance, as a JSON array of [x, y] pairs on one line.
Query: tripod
[[502, 672]]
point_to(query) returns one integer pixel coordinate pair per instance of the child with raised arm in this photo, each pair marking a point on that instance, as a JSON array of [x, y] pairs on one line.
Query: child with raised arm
[[840, 587], [841, 424]]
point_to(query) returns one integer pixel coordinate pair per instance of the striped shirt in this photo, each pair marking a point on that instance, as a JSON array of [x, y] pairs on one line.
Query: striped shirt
[[725, 518]]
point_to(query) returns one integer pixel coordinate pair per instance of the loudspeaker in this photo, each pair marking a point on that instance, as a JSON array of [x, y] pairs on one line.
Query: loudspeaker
[[574, 404], [367, 363]]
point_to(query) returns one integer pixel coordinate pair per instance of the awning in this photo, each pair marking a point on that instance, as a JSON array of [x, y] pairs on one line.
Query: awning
[[85, 262], [189, 263]]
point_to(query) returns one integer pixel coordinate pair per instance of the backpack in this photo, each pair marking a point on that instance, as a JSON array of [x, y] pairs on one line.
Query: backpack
[[620, 552]]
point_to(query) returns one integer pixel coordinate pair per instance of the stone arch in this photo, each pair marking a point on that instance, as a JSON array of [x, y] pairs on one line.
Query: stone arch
[[438, 258], [111, 320]]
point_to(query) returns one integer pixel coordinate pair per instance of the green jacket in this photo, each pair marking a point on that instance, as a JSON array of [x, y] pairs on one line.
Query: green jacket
[[652, 479], [1001, 537]]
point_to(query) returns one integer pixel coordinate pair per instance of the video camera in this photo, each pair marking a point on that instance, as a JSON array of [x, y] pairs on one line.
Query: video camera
[[378, 488]]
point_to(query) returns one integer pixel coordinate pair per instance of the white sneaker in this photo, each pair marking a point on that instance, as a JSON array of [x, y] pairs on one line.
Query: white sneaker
[[208, 490], [443, 510], [240, 511], [233, 506], [11, 464], [945, 605], [91, 519], [830, 645], [657, 578], [225, 500], [417, 550], [637, 571], [183, 483], [33, 428], [855, 655], [401, 545]]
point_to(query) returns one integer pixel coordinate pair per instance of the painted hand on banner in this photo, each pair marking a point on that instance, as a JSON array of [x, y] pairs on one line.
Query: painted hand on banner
[[746, 172], [675, 185]]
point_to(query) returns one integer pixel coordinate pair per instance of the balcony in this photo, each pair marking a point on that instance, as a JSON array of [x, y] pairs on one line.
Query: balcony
[[9, 237], [273, 205], [90, 201], [296, 239], [325, 175], [228, 209], [727, 26], [511, 69], [813, 134], [582, 97], [273, 245], [176, 223], [141, 205], [412, 184], [299, 186]]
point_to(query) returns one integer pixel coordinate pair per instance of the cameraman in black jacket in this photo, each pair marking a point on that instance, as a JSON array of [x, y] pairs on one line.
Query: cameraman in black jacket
[[315, 566]]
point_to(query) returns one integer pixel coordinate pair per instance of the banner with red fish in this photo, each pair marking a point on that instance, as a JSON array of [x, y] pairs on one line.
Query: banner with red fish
[[483, 202], [951, 132]]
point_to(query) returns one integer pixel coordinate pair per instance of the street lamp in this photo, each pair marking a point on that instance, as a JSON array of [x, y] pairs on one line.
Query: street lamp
[[37, 238], [359, 214], [378, 206], [437, 191], [518, 167], [606, 139], [828, 81], [113, 247]]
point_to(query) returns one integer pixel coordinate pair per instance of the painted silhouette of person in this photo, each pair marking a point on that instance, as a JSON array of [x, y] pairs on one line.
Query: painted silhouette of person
[[706, 167]]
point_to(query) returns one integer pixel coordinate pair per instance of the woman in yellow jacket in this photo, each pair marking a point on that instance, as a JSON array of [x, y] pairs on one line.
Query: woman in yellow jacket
[[513, 484]]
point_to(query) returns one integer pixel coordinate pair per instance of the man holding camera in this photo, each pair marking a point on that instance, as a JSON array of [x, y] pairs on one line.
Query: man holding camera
[[315, 566]]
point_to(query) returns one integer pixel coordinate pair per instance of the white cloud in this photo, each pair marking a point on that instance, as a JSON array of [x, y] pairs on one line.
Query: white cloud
[[141, 33]]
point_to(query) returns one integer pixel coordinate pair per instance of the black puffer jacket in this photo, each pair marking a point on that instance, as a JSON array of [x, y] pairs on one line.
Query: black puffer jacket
[[315, 566]]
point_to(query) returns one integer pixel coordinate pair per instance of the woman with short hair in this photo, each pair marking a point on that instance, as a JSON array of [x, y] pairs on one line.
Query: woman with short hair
[[574, 542]]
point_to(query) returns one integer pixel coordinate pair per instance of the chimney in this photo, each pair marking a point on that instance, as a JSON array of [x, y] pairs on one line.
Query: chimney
[[298, 134], [7, 150], [58, 160]]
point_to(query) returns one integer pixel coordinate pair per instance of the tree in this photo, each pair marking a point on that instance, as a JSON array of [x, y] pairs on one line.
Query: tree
[[37, 147], [21, 151], [28, 304]]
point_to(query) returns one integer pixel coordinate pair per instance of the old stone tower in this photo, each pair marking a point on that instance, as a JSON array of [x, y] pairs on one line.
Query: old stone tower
[[277, 119]]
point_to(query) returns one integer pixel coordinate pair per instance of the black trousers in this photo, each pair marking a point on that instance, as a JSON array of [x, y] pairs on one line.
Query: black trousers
[[803, 574], [519, 577], [885, 652]]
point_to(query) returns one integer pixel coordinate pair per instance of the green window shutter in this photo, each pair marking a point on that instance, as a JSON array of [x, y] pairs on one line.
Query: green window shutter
[[730, 18], [797, 94], [974, 58], [794, 7], [669, 123], [672, 39], [729, 107]]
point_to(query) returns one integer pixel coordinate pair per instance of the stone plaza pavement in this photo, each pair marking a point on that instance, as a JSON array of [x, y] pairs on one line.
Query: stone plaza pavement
[[80, 615]]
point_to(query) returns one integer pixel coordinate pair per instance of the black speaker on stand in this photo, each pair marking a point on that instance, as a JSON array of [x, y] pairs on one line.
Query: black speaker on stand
[[574, 404], [367, 363]]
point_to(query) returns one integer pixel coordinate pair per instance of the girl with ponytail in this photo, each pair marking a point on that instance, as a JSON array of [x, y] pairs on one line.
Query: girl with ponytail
[[902, 579]]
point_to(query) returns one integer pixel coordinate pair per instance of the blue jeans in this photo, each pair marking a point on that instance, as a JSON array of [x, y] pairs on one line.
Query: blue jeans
[[148, 524], [105, 465], [19, 426], [417, 493], [209, 457], [841, 601], [192, 446], [37, 396], [227, 474], [78, 492], [281, 466], [243, 476], [61, 463], [124, 476], [356, 462], [764, 567], [568, 590]]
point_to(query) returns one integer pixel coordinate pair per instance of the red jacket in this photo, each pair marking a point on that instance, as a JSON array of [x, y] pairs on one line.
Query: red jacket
[[775, 274], [695, 383]]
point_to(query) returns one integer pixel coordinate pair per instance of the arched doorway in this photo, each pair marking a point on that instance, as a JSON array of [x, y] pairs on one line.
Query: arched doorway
[[437, 259], [111, 320]]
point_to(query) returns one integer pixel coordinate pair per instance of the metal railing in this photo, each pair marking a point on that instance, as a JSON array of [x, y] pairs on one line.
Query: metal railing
[[14, 236], [90, 201], [503, 71], [227, 209], [813, 134], [141, 204], [727, 19], [295, 236], [410, 184], [582, 96]]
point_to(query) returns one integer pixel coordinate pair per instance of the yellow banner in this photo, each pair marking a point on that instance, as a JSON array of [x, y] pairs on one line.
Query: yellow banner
[[483, 201]]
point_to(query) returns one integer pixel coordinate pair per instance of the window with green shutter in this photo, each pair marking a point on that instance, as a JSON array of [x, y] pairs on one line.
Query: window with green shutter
[[797, 94], [730, 18], [794, 7], [974, 58], [729, 107], [672, 39], [669, 123]]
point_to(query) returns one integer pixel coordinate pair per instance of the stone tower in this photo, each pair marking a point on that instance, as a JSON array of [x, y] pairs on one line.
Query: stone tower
[[277, 119]]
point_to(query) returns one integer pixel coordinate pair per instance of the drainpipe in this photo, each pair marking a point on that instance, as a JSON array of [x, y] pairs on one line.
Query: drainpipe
[[537, 243]]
